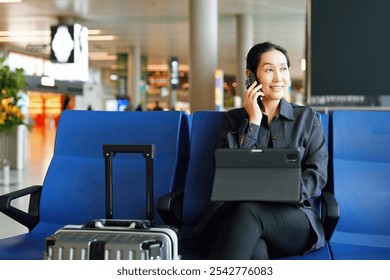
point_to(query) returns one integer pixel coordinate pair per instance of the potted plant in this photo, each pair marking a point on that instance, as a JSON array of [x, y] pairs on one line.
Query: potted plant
[[11, 82], [13, 129]]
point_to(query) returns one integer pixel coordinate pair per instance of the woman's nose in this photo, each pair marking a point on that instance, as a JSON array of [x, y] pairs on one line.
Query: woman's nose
[[277, 75]]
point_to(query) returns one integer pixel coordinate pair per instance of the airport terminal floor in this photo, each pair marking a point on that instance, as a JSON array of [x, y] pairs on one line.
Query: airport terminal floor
[[41, 145]]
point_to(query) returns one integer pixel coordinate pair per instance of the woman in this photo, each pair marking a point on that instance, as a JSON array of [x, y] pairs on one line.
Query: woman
[[259, 230]]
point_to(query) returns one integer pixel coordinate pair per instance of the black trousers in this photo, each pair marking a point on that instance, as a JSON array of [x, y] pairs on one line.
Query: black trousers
[[256, 230]]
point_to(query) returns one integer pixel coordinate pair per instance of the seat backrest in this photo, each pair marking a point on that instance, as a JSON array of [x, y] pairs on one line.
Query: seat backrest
[[361, 168], [205, 132], [74, 186]]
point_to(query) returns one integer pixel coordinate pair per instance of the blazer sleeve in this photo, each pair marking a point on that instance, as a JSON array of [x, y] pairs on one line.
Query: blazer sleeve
[[314, 163], [234, 131]]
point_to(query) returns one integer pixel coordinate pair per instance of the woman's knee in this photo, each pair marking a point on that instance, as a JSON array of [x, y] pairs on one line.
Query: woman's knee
[[260, 252]]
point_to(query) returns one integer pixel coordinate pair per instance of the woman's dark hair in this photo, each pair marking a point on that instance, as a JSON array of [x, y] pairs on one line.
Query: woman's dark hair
[[254, 54]]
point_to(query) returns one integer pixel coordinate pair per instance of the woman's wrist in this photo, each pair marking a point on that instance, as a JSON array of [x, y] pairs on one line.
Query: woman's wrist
[[255, 121]]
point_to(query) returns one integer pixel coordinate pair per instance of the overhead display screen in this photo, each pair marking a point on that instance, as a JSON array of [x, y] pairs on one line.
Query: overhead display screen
[[350, 48]]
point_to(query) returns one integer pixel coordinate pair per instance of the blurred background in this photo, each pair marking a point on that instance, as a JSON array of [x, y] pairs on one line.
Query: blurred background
[[159, 32]]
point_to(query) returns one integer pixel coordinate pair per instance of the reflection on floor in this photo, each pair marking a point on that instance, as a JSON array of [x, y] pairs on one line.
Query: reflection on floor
[[41, 144]]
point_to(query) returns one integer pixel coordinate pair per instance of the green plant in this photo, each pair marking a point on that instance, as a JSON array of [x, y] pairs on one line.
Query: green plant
[[11, 82]]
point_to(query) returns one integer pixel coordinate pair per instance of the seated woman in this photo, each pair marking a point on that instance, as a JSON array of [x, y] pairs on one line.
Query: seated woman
[[263, 230]]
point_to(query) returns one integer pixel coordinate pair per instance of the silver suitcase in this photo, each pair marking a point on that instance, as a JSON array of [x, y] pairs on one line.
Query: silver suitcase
[[111, 239]]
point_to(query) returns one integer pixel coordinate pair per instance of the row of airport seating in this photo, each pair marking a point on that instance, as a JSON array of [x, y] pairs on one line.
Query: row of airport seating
[[354, 204], [359, 144]]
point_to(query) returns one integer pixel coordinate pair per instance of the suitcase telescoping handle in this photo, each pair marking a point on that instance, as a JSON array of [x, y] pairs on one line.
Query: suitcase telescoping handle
[[148, 151], [117, 224]]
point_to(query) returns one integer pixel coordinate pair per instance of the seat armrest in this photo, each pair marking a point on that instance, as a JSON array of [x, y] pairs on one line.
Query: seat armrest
[[29, 219], [170, 208], [331, 213]]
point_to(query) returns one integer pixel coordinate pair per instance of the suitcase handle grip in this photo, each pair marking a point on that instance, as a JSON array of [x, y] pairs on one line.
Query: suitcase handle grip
[[112, 224], [148, 151]]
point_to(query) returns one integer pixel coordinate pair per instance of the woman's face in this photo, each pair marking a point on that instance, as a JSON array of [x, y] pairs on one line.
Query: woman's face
[[273, 74]]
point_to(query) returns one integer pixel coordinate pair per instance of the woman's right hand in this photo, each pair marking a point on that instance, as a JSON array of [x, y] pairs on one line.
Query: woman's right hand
[[250, 103]]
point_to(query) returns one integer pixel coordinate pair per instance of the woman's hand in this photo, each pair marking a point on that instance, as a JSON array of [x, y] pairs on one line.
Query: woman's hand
[[250, 103]]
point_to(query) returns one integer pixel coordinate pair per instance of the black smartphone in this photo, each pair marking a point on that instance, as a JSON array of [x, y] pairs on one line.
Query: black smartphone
[[249, 80]]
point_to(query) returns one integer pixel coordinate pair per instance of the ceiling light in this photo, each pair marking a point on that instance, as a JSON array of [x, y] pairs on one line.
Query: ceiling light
[[303, 64], [48, 81], [94, 31], [22, 39], [10, 1], [38, 32], [101, 38], [101, 56], [18, 33], [98, 53], [108, 57]]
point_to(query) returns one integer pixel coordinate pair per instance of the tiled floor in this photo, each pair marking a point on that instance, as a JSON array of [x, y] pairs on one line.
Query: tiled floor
[[41, 144]]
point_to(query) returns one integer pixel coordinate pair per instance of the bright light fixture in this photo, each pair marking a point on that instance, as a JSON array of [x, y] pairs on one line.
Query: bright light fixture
[[28, 35], [22, 39], [101, 38], [101, 56], [10, 1], [16, 33], [303, 64], [48, 81], [94, 31], [25, 33]]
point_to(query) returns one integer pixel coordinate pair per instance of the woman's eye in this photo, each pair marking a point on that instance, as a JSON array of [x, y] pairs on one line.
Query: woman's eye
[[284, 69], [268, 70]]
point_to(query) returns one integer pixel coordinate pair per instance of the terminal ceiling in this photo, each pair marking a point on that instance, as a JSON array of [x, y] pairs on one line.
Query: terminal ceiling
[[159, 27]]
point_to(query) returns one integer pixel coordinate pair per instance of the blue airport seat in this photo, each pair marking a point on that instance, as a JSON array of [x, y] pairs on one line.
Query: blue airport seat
[[320, 254], [361, 168], [184, 208], [73, 190], [205, 131]]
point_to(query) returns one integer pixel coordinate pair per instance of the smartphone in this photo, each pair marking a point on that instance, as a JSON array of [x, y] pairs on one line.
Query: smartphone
[[249, 80]]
